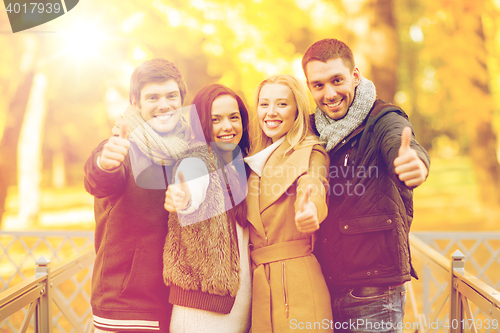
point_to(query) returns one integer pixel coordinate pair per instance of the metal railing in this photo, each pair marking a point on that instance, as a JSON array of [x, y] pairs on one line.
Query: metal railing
[[70, 287], [459, 290], [40, 291], [453, 299]]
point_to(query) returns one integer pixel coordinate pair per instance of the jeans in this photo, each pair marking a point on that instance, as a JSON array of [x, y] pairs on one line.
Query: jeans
[[369, 309]]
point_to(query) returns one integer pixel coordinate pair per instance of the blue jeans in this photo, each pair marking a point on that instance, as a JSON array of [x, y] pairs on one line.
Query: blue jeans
[[369, 309]]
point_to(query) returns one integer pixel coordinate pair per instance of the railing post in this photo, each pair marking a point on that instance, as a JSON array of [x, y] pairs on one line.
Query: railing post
[[43, 317], [456, 309]]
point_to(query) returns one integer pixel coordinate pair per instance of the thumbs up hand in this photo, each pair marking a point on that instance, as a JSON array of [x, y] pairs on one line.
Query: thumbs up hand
[[115, 150], [408, 166], [306, 218], [177, 195]]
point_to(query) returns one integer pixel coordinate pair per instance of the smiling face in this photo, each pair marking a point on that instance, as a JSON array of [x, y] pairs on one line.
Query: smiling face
[[332, 85], [160, 105], [276, 110], [226, 123]]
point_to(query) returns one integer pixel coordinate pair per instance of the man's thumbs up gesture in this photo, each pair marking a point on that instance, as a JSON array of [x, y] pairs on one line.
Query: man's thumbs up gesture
[[177, 195], [115, 150], [306, 218], [408, 166]]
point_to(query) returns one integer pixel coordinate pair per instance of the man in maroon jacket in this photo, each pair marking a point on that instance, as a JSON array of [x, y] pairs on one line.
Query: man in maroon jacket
[[128, 175]]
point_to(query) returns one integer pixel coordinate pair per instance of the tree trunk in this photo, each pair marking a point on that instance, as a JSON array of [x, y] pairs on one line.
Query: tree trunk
[[10, 138], [375, 44], [483, 144], [30, 154], [383, 56], [482, 151]]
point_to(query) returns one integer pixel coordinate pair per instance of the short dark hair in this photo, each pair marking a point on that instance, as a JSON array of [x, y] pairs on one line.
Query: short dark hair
[[155, 71], [327, 49], [203, 102]]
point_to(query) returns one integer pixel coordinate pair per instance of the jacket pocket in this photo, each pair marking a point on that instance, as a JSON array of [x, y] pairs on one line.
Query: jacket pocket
[[129, 282], [369, 246], [368, 224]]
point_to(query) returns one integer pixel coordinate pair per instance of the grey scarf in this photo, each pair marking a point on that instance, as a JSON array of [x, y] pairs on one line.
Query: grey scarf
[[333, 131], [163, 150]]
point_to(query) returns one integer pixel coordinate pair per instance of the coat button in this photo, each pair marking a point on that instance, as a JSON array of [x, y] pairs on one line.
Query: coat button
[[325, 240], [367, 273], [343, 141], [376, 272], [346, 227], [389, 221], [329, 278]]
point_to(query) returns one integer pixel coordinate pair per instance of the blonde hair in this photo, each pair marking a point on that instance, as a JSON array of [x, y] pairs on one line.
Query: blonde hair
[[300, 135]]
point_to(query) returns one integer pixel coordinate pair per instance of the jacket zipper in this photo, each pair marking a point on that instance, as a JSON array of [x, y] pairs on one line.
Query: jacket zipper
[[285, 291], [346, 159]]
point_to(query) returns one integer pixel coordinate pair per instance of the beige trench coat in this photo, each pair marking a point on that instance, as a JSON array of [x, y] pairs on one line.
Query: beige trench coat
[[289, 290]]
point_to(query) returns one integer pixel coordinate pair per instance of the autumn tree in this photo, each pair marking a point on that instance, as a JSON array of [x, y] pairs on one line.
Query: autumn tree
[[374, 40], [17, 78], [457, 79]]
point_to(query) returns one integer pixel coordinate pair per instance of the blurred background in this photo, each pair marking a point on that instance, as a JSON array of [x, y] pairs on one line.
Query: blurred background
[[63, 83]]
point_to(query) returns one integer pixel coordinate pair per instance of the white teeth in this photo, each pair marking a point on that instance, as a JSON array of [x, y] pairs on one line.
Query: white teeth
[[273, 123], [163, 116], [333, 105], [226, 137]]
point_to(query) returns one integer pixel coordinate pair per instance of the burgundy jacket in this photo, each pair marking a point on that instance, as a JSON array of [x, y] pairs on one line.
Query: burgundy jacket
[[128, 292]]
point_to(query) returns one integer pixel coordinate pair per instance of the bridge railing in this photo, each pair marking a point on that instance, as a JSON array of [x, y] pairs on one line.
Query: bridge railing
[[452, 298], [449, 297], [70, 254]]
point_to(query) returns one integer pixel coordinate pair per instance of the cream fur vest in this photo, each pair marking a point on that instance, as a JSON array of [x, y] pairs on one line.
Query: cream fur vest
[[203, 256]]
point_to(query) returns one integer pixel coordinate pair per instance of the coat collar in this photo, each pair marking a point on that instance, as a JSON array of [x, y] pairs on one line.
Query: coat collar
[[258, 161], [281, 171]]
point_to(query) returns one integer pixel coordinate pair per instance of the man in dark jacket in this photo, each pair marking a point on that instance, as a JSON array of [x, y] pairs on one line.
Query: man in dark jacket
[[375, 163], [127, 174]]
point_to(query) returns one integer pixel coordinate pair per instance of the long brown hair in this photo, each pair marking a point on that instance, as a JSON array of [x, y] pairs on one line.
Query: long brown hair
[[201, 123]]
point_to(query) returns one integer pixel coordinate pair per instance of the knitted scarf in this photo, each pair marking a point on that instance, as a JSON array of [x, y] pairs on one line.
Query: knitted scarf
[[163, 150], [333, 131]]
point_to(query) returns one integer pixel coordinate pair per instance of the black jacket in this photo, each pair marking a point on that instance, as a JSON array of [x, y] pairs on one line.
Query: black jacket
[[364, 239], [131, 225]]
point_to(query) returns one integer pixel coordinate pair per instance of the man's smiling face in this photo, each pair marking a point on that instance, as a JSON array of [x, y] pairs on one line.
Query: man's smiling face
[[332, 85], [160, 105]]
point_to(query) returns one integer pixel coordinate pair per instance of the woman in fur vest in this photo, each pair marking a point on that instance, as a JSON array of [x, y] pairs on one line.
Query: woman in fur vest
[[286, 202], [206, 259]]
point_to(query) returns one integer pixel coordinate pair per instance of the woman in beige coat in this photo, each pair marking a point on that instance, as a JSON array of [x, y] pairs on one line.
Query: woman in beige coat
[[286, 202]]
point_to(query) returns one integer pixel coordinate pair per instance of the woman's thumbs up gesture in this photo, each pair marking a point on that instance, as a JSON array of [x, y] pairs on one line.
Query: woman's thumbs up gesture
[[306, 218], [177, 195]]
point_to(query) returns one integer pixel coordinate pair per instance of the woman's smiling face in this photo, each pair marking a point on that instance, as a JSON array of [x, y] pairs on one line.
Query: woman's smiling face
[[226, 123], [276, 110]]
